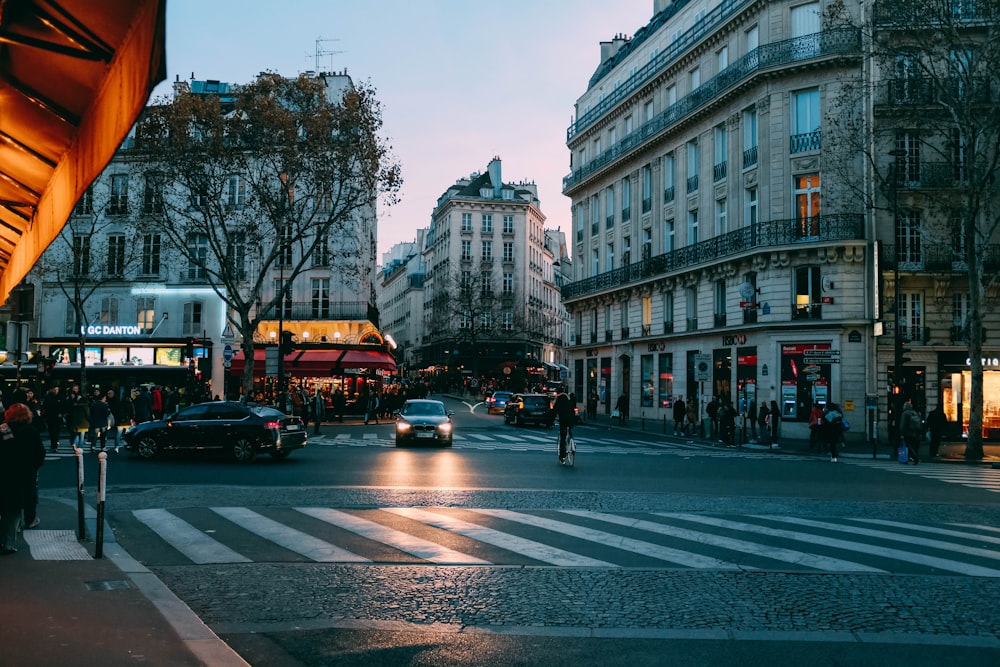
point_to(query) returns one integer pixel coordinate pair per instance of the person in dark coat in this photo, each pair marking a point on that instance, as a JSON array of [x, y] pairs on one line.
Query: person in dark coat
[[775, 422], [936, 425], [565, 411], [143, 405], [680, 410], [832, 428], [100, 414], [338, 403], [52, 411], [621, 405], [79, 420], [763, 423], [22, 454]]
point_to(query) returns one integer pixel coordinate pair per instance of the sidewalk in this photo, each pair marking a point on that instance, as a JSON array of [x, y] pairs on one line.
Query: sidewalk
[[64, 607], [948, 453]]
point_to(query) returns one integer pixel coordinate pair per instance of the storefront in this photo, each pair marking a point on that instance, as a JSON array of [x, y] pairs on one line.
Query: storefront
[[956, 393]]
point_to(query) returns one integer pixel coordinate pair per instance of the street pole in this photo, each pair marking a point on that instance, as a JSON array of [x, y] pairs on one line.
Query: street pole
[[897, 367]]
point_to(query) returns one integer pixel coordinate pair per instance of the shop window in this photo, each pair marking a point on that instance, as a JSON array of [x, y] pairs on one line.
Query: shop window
[[807, 303]]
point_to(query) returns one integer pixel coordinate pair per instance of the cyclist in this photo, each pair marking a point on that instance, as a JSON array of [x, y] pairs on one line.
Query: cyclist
[[565, 411]]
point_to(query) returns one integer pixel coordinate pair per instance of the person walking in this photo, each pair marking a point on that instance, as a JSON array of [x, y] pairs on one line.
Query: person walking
[[156, 396], [123, 410], [680, 412], [100, 421], [317, 409], [936, 425], [691, 416], [338, 403], [621, 407], [371, 409], [815, 428], [565, 411], [727, 423], [79, 420], [143, 405], [832, 428], [712, 410], [52, 412], [775, 423], [912, 428], [22, 454], [592, 405], [763, 422]]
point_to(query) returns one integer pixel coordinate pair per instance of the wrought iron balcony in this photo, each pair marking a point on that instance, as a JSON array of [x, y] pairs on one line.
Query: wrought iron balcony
[[668, 327], [647, 329], [842, 227], [692, 183], [839, 42], [668, 194], [937, 258], [692, 324], [811, 311], [719, 171], [928, 91], [608, 335], [913, 15], [750, 157], [624, 333], [321, 310], [808, 141], [720, 319], [931, 175]]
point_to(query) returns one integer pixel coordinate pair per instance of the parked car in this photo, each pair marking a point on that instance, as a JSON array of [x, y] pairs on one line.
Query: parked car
[[241, 431], [423, 421], [497, 403], [529, 409]]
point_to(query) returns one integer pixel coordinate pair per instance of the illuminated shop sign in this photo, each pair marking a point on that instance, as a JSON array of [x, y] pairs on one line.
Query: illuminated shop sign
[[111, 330], [988, 362]]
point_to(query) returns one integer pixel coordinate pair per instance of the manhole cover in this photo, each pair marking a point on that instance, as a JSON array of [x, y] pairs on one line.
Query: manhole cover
[[113, 585]]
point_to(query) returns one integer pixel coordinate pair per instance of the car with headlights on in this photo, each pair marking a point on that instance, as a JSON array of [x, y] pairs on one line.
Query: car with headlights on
[[423, 421], [496, 403], [237, 430], [529, 409]]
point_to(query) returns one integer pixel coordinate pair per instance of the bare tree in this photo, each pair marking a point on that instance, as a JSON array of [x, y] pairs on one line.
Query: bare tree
[[265, 178], [928, 131], [89, 258]]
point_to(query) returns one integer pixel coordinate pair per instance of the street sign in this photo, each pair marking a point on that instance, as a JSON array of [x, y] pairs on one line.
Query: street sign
[[810, 354], [227, 334], [811, 369], [227, 363], [271, 360], [812, 377], [702, 367], [228, 353]]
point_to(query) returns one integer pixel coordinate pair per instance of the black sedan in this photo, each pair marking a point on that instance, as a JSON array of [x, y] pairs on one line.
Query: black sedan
[[529, 409], [241, 431], [423, 420]]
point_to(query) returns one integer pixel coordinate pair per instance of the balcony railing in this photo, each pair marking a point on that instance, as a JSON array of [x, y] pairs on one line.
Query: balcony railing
[[720, 319], [626, 214], [647, 329], [913, 15], [812, 311], [692, 324], [843, 227], [624, 333], [808, 141], [750, 157], [321, 310], [668, 194], [692, 183], [719, 171], [927, 91], [920, 175], [937, 258], [608, 335], [668, 327], [840, 42]]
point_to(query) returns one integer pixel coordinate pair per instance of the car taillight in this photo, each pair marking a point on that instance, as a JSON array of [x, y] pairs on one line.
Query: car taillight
[[274, 425]]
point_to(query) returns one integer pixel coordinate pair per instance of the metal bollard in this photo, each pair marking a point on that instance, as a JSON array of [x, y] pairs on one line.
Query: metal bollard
[[664, 424], [81, 526], [101, 484]]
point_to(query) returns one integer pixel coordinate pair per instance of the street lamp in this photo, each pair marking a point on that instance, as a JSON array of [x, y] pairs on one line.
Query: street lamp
[[899, 359]]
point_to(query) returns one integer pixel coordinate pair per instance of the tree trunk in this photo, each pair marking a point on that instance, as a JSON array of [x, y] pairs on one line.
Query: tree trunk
[[974, 445]]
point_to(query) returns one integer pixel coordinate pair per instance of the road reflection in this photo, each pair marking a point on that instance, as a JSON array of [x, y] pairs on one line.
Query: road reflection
[[441, 470]]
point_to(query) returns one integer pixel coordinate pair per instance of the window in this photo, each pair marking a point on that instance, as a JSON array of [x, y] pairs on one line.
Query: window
[[721, 222], [752, 213], [669, 242], [595, 215], [236, 191], [595, 262], [719, 166], [628, 125], [508, 284], [321, 253], [646, 378], [145, 315], [466, 250], [608, 333], [749, 138], [720, 303], [320, 294], [81, 255], [86, 204], [647, 314], [285, 247], [609, 257], [691, 307], [671, 96], [648, 111], [807, 293], [807, 205], [692, 227], [507, 320], [959, 315], [487, 224], [647, 242], [750, 314], [150, 255], [647, 188], [668, 178], [722, 58], [609, 206], [486, 320], [959, 155], [116, 255], [487, 251], [692, 166], [109, 311], [668, 312], [908, 239], [508, 224], [236, 260], [486, 284], [197, 256], [324, 198], [626, 250], [695, 78], [466, 280], [152, 194], [626, 199], [285, 304], [625, 319], [118, 204], [464, 321], [508, 251], [466, 222], [911, 316], [71, 325], [805, 121], [805, 19]]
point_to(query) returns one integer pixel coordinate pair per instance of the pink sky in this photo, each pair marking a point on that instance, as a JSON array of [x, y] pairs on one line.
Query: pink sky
[[460, 82]]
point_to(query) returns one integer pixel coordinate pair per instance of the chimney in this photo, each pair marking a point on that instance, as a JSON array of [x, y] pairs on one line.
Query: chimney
[[495, 177], [609, 49]]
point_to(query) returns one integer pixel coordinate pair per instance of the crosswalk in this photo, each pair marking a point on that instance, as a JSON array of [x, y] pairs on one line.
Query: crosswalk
[[557, 538], [975, 477]]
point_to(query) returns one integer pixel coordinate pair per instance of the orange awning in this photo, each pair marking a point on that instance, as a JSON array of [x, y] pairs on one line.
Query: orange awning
[[320, 363], [74, 76]]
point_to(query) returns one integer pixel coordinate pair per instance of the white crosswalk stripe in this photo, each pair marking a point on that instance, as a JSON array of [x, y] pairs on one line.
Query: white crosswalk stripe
[[975, 477], [506, 537]]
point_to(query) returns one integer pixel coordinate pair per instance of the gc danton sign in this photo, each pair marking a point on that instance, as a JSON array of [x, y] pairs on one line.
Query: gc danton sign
[[106, 330]]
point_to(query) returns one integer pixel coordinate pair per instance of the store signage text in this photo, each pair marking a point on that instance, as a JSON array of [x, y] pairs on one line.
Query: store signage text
[[736, 339], [988, 362], [106, 330]]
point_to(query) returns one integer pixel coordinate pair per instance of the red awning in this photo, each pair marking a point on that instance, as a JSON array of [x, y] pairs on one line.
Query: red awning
[[320, 363]]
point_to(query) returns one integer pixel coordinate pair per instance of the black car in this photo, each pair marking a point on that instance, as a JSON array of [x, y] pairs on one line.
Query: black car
[[241, 431], [529, 409], [423, 421]]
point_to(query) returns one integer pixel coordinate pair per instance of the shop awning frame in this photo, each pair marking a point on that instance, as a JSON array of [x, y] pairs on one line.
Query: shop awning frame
[[320, 363]]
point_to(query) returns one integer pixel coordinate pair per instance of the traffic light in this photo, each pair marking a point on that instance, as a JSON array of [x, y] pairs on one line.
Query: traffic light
[[189, 348], [287, 346], [903, 354]]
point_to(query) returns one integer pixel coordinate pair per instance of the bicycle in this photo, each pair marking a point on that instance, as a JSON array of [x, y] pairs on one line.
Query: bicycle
[[570, 454]]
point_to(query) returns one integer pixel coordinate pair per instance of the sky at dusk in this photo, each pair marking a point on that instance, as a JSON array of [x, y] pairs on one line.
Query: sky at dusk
[[459, 81]]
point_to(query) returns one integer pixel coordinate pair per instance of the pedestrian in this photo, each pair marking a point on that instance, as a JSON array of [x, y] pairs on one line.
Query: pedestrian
[[764, 422], [937, 422], [563, 409], [156, 397], [592, 405], [22, 454], [832, 428], [123, 410], [100, 421], [815, 430], [143, 405], [712, 410], [338, 403], [318, 409], [727, 423], [775, 423], [621, 407], [371, 409], [79, 420], [680, 412], [52, 411], [691, 416], [912, 428]]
